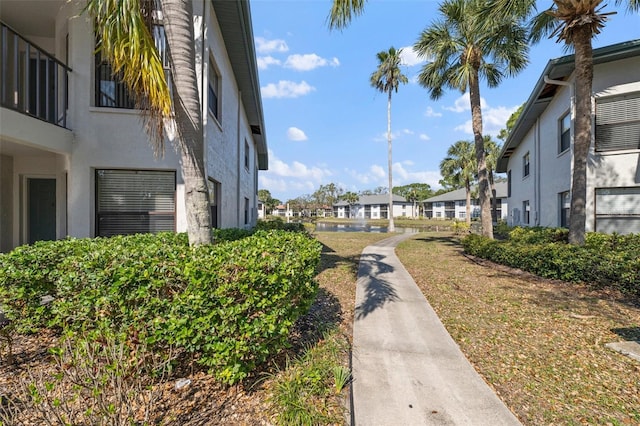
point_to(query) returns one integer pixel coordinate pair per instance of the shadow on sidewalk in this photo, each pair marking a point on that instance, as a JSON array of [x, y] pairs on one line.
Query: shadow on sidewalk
[[377, 290]]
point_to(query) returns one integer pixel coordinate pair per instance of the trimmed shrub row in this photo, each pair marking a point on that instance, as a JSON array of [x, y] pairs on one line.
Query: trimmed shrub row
[[605, 260], [231, 303]]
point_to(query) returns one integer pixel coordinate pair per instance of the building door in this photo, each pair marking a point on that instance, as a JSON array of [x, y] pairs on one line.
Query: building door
[[215, 192], [41, 209]]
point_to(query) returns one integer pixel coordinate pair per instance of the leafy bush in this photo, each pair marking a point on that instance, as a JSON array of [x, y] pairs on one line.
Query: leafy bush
[[231, 303], [230, 234], [278, 223], [604, 260], [460, 227]]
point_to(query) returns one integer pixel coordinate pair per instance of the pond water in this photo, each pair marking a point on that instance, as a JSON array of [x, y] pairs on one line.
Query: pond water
[[355, 227]]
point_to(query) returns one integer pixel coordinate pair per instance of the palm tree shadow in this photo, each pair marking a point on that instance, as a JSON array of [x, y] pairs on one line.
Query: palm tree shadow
[[378, 291]]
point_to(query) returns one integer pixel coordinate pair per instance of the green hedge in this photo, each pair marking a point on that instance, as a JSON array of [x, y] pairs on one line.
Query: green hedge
[[604, 260], [231, 303]]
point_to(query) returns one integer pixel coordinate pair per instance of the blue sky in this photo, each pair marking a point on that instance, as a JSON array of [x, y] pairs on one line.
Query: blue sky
[[325, 123]]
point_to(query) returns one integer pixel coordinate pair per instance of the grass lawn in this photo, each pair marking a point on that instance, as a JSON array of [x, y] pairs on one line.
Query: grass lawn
[[538, 343]]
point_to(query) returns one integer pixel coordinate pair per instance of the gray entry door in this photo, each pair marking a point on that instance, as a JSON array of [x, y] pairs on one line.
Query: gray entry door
[[41, 208]]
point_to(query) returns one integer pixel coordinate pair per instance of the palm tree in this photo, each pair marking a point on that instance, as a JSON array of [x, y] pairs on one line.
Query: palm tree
[[458, 168], [576, 23], [492, 152], [124, 38], [386, 79], [465, 49], [351, 198]]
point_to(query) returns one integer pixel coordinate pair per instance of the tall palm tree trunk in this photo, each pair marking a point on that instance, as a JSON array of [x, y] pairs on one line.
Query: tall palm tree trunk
[[494, 199], [582, 138], [483, 180], [178, 23], [467, 187], [391, 224]]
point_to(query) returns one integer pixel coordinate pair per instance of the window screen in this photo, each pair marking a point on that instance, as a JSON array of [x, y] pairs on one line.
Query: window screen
[[618, 123], [135, 201], [618, 210]]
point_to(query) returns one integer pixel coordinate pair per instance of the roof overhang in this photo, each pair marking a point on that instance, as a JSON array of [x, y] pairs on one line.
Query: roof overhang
[[234, 19], [543, 93]]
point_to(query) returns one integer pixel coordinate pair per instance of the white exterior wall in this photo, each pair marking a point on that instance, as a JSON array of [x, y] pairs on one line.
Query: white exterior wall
[[225, 137], [113, 138], [104, 138], [612, 169], [551, 172]]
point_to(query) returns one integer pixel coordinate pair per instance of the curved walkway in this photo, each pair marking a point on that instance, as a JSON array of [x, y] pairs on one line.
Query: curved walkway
[[407, 370]]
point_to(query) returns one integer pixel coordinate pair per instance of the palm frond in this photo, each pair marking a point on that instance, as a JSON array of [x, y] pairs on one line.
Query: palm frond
[[343, 11], [124, 39]]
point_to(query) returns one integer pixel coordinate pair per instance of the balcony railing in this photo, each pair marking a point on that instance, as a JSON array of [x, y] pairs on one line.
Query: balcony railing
[[32, 81]]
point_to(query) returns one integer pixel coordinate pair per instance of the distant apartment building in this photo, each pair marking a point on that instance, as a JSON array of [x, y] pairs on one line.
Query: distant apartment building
[[374, 207], [453, 204]]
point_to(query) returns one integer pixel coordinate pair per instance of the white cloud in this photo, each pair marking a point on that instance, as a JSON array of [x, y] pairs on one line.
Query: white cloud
[[292, 178], [463, 104], [493, 119], [296, 169], [295, 134], [374, 175], [403, 176], [424, 137], [409, 57], [377, 171], [286, 89], [382, 137], [309, 62], [431, 113], [265, 61], [267, 46]]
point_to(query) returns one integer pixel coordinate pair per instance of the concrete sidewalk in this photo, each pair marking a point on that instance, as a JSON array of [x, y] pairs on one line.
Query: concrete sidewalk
[[407, 370]]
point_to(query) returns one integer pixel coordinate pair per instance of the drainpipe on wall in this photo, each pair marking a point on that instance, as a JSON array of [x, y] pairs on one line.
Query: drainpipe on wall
[[238, 192], [572, 108], [536, 181]]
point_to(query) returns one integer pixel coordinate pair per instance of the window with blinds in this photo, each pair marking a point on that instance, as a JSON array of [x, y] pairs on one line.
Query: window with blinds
[[618, 123], [618, 210], [135, 201]]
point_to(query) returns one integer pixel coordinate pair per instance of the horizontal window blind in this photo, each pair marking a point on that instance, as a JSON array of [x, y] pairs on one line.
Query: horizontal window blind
[[618, 123], [618, 210], [618, 201], [135, 201]]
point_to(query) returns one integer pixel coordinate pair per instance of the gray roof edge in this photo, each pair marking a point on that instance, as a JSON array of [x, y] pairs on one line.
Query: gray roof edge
[[460, 194], [249, 87], [601, 55]]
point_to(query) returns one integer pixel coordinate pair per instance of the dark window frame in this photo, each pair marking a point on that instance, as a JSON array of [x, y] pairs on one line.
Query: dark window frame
[[564, 133], [120, 97], [526, 212], [213, 90], [617, 123], [142, 215]]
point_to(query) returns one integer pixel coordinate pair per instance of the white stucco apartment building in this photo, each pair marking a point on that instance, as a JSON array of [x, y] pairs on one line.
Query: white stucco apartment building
[[453, 204], [538, 155], [74, 159], [374, 207]]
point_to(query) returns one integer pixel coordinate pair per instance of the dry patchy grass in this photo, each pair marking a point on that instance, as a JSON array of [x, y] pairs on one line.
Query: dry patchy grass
[[205, 401], [538, 343]]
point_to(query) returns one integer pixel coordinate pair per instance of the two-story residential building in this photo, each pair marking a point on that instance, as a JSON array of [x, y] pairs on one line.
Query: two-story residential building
[[538, 154], [374, 207], [453, 204], [74, 158]]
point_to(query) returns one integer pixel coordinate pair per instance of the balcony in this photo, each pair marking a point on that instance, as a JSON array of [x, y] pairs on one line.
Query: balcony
[[32, 81]]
